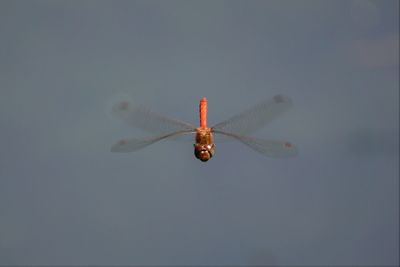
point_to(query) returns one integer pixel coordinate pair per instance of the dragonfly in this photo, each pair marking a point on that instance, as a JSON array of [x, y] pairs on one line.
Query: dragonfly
[[237, 127]]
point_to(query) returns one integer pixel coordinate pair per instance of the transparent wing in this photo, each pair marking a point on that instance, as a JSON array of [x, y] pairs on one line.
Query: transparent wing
[[145, 119], [256, 117], [133, 144], [269, 148]]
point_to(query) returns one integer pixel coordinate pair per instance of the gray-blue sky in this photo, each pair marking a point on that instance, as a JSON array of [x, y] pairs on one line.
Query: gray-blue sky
[[65, 199]]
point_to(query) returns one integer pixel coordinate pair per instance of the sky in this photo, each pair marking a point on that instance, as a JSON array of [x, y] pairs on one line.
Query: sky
[[66, 199]]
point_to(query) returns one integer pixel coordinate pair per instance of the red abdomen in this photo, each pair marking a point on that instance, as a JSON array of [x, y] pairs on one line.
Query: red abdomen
[[203, 112]]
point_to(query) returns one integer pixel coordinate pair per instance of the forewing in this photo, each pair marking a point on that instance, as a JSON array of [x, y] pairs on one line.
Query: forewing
[[256, 117], [145, 119], [269, 148], [133, 144]]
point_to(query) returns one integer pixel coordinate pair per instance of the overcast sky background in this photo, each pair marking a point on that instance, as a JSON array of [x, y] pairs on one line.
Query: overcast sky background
[[65, 199]]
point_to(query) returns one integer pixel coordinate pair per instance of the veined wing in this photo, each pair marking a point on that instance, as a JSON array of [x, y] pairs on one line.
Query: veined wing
[[269, 148], [133, 144], [256, 117], [145, 119]]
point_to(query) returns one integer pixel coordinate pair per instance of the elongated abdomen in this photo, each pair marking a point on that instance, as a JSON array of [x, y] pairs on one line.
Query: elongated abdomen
[[203, 112]]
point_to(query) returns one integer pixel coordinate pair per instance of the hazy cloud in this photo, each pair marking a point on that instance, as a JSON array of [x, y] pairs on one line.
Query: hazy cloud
[[380, 52]]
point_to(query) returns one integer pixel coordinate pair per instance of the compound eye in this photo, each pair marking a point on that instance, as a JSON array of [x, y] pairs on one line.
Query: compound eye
[[204, 155]]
